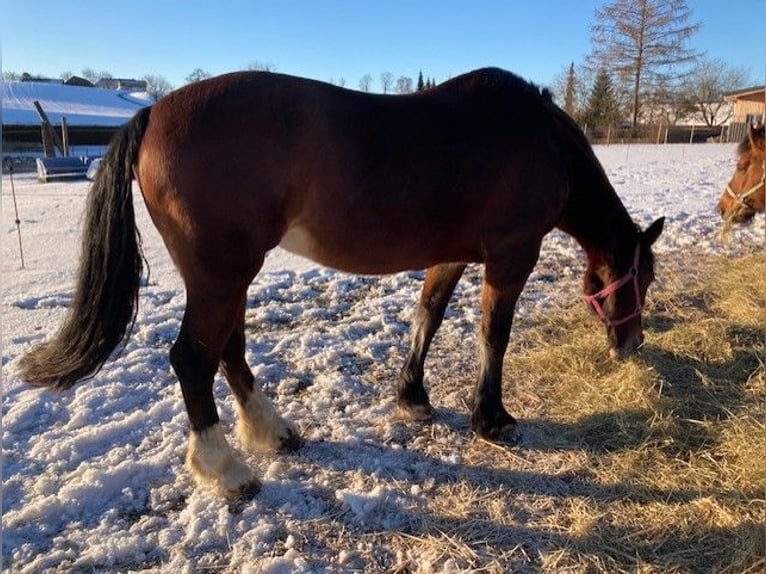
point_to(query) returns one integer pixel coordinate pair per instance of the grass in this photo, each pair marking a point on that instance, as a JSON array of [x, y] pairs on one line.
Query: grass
[[655, 464]]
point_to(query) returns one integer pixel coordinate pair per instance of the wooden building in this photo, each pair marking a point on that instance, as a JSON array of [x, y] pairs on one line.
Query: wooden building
[[749, 104]]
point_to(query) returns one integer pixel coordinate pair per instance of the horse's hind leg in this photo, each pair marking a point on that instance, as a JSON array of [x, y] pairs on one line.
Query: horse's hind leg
[[208, 321], [437, 289], [259, 426]]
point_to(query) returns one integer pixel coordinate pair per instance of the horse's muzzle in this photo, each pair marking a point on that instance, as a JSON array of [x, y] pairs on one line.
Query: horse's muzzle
[[743, 215], [627, 347]]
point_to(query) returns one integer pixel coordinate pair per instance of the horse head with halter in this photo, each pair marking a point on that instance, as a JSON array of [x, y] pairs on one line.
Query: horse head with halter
[[745, 194]]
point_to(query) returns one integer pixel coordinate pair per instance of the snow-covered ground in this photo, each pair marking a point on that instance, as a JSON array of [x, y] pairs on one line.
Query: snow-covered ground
[[93, 479]]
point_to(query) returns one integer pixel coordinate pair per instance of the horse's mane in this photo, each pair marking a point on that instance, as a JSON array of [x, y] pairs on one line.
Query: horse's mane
[[568, 127], [494, 80], [501, 81], [586, 174], [584, 170]]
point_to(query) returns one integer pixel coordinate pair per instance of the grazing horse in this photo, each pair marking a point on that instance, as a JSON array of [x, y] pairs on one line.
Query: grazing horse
[[745, 194], [478, 169]]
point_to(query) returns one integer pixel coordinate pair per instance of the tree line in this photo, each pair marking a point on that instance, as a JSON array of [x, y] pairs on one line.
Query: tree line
[[158, 86], [641, 69], [388, 83]]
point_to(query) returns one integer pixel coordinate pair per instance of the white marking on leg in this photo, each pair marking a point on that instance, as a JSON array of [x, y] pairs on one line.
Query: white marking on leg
[[212, 462], [259, 426]]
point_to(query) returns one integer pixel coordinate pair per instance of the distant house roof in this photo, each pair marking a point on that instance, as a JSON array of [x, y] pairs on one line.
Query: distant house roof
[[78, 81], [122, 84], [744, 93], [82, 106]]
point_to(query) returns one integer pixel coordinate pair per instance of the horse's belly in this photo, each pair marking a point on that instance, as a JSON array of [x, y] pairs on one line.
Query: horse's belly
[[355, 253], [298, 241]]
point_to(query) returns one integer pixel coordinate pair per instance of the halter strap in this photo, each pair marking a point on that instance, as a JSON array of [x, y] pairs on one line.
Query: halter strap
[[631, 275], [741, 198]]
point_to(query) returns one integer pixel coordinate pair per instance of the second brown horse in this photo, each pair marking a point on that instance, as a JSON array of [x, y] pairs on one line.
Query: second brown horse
[[479, 169], [745, 194]]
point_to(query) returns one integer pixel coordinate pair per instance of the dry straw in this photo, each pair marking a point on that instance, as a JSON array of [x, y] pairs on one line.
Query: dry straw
[[655, 464]]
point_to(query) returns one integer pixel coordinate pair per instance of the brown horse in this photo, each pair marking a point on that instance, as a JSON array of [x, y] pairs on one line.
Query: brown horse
[[478, 169], [745, 194]]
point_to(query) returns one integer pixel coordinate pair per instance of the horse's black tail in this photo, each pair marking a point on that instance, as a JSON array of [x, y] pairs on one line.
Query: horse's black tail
[[106, 295]]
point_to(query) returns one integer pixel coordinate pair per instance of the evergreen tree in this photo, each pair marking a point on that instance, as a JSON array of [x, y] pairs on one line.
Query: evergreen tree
[[602, 108], [421, 85], [569, 91]]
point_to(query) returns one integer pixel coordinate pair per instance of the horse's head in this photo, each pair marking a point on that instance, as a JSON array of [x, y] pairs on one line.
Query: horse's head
[[745, 193], [616, 291]]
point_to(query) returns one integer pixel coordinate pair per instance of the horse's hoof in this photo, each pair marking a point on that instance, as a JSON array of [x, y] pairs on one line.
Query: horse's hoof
[[291, 441], [249, 490], [414, 413], [503, 430], [239, 497], [279, 435]]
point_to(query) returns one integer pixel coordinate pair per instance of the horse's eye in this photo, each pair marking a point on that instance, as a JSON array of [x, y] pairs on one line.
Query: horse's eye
[[593, 284]]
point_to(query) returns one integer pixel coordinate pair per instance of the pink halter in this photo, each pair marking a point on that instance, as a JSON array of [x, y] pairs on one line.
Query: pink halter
[[631, 275]]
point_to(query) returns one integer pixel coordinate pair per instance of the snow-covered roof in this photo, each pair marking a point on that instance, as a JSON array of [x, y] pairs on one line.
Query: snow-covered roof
[[82, 106]]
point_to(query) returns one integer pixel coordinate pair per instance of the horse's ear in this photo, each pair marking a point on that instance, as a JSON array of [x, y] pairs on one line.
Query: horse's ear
[[755, 135], [653, 231]]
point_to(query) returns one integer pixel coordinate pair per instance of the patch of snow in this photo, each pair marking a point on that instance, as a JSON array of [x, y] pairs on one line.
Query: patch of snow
[[94, 478]]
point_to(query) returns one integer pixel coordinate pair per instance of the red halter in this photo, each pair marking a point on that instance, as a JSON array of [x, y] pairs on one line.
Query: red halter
[[631, 275]]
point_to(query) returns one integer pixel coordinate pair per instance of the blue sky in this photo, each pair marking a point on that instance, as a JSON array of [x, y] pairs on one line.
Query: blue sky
[[332, 39]]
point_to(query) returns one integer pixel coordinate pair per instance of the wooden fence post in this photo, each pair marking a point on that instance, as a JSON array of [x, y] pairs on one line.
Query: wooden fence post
[[64, 137]]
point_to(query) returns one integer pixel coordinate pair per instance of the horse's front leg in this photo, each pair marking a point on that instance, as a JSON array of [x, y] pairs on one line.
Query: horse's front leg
[[438, 286], [500, 292]]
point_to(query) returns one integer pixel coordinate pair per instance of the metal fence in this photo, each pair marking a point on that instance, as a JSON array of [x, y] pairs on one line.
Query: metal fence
[[654, 134]]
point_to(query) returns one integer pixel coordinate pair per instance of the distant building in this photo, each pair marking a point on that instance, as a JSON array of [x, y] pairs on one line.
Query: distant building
[[749, 108], [122, 84], [93, 115], [27, 77], [748, 104], [79, 81]]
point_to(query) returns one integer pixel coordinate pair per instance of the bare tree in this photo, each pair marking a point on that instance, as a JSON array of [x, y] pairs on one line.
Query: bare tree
[[386, 82], [156, 86], [365, 83], [571, 88], [92, 76], [9, 76], [704, 90], [259, 66], [197, 75], [642, 42], [404, 85], [665, 104]]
